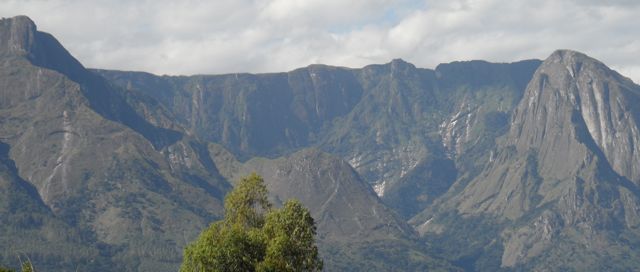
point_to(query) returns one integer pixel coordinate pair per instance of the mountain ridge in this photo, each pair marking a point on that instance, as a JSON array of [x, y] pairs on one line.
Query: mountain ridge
[[102, 164], [510, 166], [95, 163], [551, 181]]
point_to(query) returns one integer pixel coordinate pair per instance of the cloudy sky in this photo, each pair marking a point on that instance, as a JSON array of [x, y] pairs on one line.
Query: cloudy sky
[[225, 36]]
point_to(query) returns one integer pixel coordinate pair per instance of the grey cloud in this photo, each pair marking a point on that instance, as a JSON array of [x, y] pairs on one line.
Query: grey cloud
[[609, 3], [187, 37]]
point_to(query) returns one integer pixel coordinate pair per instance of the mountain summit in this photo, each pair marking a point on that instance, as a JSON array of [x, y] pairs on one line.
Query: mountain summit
[[563, 180], [479, 166], [85, 162], [17, 35], [101, 177]]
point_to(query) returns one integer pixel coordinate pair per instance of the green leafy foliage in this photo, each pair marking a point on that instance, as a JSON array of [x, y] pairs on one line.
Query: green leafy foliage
[[255, 237], [290, 232], [224, 248], [246, 204]]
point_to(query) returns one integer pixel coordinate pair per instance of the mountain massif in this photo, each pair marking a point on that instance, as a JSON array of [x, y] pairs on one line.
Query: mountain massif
[[475, 166]]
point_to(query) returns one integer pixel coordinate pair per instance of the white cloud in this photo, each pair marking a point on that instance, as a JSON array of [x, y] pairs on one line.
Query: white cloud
[[223, 36]]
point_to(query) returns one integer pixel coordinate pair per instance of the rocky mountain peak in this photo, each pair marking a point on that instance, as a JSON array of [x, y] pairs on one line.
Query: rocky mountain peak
[[569, 152], [400, 61], [399, 65], [20, 42], [17, 35], [577, 64], [590, 96], [561, 55], [512, 165]]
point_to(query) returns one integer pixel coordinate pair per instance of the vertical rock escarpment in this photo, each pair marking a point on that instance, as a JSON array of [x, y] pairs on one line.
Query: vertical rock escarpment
[[17, 35], [83, 165], [568, 164], [572, 90]]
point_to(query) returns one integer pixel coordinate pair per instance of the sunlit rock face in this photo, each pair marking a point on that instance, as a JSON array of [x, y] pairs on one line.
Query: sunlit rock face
[[397, 125], [87, 165], [494, 165], [566, 171]]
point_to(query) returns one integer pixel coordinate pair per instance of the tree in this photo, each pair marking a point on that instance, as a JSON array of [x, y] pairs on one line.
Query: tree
[[255, 237], [246, 204], [290, 232]]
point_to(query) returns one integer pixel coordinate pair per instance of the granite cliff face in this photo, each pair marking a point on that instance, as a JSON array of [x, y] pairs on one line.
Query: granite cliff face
[[399, 126], [121, 181], [522, 166], [563, 177], [93, 164]]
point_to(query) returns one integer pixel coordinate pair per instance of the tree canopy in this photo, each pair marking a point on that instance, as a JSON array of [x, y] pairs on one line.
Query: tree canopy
[[253, 236]]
